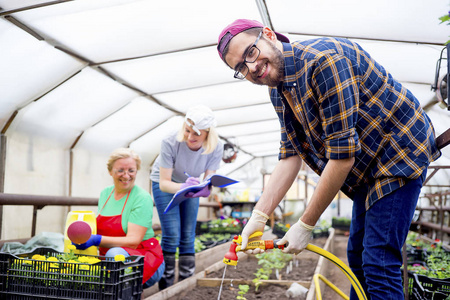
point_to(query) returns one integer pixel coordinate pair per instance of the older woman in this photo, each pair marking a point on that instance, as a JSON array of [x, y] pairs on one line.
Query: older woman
[[184, 156], [124, 221]]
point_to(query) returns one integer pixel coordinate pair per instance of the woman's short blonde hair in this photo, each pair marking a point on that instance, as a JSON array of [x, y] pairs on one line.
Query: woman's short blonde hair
[[210, 142], [123, 153]]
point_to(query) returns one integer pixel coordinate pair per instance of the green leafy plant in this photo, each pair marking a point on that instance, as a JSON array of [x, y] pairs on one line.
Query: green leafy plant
[[243, 289], [261, 274], [67, 256], [439, 266], [269, 261], [436, 263], [340, 221], [446, 19], [228, 225], [418, 269], [216, 237], [198, 245]]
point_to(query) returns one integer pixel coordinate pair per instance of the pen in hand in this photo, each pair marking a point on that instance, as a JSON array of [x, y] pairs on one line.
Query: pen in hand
[[185, 173]]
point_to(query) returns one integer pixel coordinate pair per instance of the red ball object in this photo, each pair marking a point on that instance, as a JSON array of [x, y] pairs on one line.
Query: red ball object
[[79, 232]]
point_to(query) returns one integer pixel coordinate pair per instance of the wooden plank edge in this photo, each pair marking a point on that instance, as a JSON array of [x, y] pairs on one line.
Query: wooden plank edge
[[213, 282], [179, 289], [323, 266]]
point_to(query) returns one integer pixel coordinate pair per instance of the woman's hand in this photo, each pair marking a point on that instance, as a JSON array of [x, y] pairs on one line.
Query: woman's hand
[[204, 192], [190, 182], [94, 240]]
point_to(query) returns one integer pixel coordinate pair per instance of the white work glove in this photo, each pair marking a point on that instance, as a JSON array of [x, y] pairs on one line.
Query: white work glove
[[256, 223], [297, 237]]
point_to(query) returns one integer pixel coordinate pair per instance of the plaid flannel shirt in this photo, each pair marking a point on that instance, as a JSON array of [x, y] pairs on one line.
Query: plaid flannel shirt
[[344, 104]]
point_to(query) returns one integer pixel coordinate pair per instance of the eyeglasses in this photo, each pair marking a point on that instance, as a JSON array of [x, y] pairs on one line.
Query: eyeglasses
[[122, 171], [251, 56]]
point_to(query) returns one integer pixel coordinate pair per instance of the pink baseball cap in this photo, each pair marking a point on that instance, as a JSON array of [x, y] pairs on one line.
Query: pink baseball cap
[[237, 27]]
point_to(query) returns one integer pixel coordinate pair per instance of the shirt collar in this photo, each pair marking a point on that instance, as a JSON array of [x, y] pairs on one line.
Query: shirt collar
[[289, 65]]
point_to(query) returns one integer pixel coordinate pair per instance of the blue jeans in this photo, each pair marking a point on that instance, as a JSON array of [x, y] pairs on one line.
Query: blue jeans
[[156, 276], [376, 239], [178, 224]]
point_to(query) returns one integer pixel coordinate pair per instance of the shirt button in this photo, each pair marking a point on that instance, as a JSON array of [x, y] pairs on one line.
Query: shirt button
[[295, 84], [151, 244]]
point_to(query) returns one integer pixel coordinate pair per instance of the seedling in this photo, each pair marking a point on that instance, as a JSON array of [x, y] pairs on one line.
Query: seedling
[[243, 289], [261, 274], [274, 259]]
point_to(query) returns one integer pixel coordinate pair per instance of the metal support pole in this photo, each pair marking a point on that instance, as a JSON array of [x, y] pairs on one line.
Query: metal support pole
[[405, 272], [2, 174]]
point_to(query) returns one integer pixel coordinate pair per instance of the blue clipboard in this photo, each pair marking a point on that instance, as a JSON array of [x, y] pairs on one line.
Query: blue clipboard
[[214, 180]]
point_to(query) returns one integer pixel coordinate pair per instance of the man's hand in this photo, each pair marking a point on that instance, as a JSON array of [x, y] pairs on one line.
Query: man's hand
[[94, 240], [256, 223], [297, 237], [189, 182]]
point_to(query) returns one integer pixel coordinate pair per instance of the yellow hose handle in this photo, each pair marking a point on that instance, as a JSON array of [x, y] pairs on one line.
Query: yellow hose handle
[[344, 268]]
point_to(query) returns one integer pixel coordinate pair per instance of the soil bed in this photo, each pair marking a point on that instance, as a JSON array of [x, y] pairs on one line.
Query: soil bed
[[303, 270]]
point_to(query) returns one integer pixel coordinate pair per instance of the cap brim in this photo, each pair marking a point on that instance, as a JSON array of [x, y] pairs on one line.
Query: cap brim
[[193, 127], [282, 38]]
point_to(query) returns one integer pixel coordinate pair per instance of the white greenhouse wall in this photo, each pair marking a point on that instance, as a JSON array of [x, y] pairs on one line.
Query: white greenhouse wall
[[34, 166]]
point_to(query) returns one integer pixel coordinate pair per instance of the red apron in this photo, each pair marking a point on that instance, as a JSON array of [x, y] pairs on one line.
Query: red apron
[[150, 249]]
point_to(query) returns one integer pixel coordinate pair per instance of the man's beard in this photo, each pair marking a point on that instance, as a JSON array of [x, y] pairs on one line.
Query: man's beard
[[277, 60]]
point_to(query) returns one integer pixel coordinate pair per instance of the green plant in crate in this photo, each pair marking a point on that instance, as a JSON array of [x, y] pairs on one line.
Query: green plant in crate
[[44, 272], [436, 262], [438, 265], [198, 245], [228, 225], [204, 226], [415, 241], [281, 227], [340, 222], [207, 237], [55, 269], [418, 269]]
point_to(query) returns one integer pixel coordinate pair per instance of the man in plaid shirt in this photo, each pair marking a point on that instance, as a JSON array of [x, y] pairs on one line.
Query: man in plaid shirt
[[350, 121]]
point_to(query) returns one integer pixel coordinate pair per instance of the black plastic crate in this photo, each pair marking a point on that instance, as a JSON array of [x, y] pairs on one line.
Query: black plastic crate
[[414, 254], [279, 229], [319, 232], [425, 288], [202, 227], [24, 278], [340, 223]]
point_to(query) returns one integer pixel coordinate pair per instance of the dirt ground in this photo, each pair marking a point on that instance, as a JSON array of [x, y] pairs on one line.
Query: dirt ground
[[307, 262], [335, 274], [303, 270]]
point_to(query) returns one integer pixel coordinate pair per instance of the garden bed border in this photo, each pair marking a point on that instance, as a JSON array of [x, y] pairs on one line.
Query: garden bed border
[[211, 260]]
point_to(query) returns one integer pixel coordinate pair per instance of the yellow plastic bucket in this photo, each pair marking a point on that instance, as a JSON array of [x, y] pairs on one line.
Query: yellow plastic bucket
[[88, 217]]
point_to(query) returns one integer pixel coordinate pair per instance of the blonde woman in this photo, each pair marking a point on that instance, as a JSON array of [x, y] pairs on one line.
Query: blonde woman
[[124, 221], [184, 156]]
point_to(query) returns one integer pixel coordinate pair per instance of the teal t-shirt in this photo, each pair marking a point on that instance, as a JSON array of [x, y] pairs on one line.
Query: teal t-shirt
[[138, 209]]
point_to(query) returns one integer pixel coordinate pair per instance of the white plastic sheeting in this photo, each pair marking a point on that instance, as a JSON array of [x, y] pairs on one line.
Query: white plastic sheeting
[[88, 76]]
